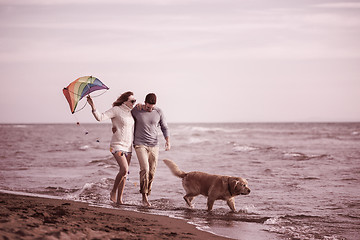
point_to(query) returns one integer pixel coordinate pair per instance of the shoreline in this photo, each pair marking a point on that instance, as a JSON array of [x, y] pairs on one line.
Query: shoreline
[[30, 217]]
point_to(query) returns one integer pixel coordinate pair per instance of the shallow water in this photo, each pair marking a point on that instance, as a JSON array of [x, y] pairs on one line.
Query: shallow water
[[304, 177]]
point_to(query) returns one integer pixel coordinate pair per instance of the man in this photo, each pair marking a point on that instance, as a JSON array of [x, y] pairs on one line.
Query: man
[[148, 118]]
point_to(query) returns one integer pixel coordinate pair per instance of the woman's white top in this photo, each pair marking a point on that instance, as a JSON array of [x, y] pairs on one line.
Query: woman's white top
[[123, 122]]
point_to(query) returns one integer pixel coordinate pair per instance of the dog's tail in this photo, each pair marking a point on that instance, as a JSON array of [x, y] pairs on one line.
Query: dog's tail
[[174, 168]]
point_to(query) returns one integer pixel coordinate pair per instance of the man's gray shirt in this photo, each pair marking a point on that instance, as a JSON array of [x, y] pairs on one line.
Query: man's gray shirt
[[147, 125]]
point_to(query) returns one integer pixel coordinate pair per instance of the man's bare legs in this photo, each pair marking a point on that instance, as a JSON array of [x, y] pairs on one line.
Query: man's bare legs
[[145, 200]]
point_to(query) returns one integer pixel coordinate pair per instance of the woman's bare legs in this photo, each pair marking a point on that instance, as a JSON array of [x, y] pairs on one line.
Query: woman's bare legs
[[120, 178], [121, 185]]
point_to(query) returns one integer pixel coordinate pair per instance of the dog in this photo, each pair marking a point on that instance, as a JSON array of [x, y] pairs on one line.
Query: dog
[[214, 187]]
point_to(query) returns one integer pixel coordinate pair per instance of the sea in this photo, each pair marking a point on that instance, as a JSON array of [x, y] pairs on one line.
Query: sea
[[304, 177]]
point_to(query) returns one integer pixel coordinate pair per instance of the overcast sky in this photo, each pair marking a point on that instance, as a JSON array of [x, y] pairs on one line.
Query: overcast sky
[[207, 60]]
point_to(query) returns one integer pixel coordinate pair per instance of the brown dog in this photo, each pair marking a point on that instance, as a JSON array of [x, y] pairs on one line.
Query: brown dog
[[215, 187]]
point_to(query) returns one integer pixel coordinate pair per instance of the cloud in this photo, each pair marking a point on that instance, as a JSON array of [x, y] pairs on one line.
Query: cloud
[[97, 2], [339, 5], [332, 20]]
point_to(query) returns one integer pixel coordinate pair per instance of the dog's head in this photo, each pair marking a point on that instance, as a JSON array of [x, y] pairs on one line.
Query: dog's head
[[239, 186]]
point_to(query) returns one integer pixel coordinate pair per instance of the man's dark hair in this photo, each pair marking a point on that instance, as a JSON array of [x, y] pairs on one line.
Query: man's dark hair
[[150, 98]]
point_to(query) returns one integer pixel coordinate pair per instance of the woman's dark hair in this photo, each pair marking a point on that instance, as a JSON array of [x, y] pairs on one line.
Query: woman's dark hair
[[150, 98], [123, 98]]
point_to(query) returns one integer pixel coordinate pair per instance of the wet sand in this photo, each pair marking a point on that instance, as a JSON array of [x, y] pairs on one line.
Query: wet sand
[[27, 217]]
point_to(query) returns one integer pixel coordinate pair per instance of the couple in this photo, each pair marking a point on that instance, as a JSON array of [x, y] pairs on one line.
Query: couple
[[136, 126]]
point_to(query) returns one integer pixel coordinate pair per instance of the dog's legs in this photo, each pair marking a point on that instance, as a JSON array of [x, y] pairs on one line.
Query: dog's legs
[[210, 203], [188, 198], [231, 204]]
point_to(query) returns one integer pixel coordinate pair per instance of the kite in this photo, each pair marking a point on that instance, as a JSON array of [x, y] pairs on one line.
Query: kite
[[80, 88]]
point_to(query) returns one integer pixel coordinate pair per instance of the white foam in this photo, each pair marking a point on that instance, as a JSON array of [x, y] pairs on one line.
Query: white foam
[[30, 194], [19, 126], [272, 221], [244, 148], [84, 148], [197, 140], [249, 209]]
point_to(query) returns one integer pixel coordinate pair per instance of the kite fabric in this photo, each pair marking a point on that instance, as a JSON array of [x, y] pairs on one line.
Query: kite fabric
[[80, 88]]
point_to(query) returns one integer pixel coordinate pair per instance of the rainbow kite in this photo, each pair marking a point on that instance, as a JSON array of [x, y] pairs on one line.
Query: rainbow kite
[[80, 88]]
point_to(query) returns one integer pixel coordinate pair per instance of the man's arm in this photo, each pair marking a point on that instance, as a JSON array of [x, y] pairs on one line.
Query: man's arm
[[165, 130], [167, 144]]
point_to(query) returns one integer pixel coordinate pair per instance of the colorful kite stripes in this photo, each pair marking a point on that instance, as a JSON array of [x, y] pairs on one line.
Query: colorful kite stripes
[[80, 88]]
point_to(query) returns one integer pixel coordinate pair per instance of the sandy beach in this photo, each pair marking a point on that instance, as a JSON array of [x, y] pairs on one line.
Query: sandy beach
[[27, 217]]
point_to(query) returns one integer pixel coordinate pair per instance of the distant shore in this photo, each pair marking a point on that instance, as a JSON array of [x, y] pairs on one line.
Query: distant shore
[[26, 217]]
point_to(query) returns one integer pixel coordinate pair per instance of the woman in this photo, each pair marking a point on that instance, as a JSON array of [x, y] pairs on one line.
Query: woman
[[121, 141]]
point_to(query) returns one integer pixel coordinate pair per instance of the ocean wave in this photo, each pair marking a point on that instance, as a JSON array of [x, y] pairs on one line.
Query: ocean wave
[[354, 204], [163, 204], [19, 126], [205, 129], [303, 157], [350, 216], [349, 179], [301, 216], [54, 150], [272, 221], [84, 147], [241, 217], [197, 140], [296, 155], [16, 168], [249, 209], [57, 191], [299, 227], [96, 192], [180, 130], [220, 214], [310, 178], [249, 148], [107, 162], [244, 148]]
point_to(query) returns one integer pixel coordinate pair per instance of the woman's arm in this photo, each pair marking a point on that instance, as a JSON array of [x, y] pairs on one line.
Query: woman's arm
[[100, 116], [91, 103]]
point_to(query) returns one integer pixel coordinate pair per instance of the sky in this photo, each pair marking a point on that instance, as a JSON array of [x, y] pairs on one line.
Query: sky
[[207, 60]]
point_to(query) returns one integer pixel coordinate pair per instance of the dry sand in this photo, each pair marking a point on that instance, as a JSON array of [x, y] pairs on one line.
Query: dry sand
[[27, 217]]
